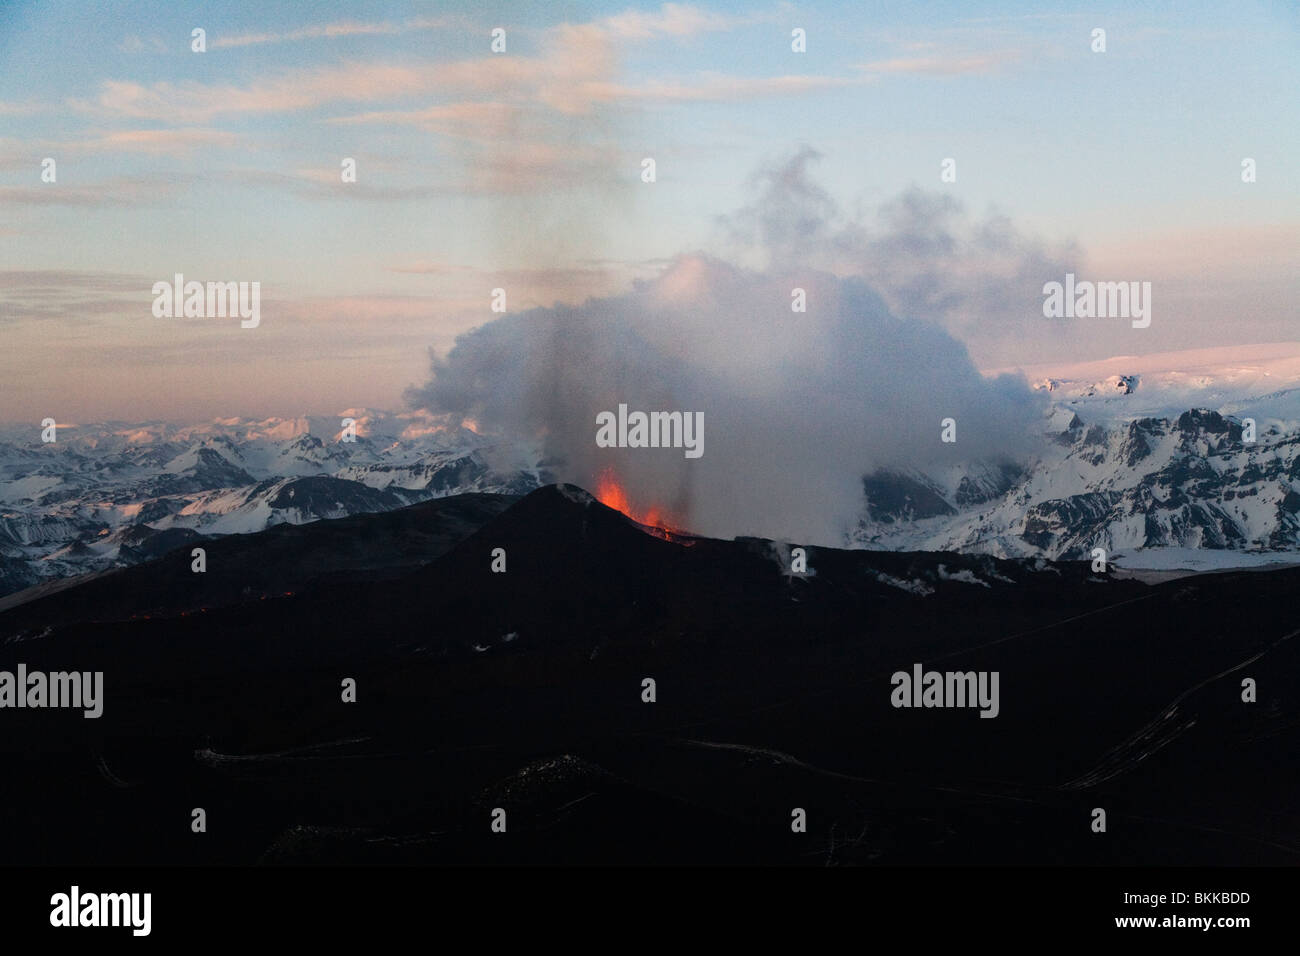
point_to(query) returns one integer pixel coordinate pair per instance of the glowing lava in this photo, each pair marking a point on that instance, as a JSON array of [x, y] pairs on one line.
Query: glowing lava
[[610, 492]]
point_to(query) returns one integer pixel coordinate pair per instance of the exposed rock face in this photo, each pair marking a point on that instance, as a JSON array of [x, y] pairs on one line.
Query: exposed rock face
[[1186, 482]]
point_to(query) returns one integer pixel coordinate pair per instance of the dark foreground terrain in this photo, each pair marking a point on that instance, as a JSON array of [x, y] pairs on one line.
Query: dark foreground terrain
[[523, 691]]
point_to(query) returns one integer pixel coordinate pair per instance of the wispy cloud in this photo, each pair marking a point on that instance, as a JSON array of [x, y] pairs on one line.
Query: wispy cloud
[[124, 191], [672, 20], [326, 184], [26, 155], [156, 141], [344, 28], [62, 294], [193, 102], [467, 119], [574, 70]]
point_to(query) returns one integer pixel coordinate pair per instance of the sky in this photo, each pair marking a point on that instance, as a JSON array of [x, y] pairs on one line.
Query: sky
[[522, 170]]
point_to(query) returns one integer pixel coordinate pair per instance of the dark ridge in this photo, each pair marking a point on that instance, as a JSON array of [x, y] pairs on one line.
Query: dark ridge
[[255, 567], [525, 689]]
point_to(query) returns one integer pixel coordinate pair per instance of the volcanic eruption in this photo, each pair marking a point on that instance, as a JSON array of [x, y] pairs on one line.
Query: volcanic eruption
[[659, 520]]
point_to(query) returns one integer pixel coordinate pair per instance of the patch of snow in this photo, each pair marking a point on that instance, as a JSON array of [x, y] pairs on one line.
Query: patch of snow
[[575, 494], [1200, 559]]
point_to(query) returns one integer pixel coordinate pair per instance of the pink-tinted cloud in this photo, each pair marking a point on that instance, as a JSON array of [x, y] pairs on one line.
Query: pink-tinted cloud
[[115, 192], [345, 28], [671, 20], [156, 141]]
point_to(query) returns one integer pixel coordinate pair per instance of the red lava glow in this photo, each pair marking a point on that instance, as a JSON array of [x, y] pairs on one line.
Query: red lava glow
[[659, 521]]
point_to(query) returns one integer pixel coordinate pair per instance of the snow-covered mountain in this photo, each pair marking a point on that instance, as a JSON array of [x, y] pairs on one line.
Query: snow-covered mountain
[[1148, 465], [114, 494], [1145, 457]]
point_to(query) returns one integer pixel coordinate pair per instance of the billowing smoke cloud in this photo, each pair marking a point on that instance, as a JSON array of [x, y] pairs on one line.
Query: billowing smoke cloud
[[981, 279], [797, 407]]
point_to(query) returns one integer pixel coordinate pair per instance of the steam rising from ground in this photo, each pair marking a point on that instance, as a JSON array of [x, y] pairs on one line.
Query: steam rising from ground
[[797, 406]]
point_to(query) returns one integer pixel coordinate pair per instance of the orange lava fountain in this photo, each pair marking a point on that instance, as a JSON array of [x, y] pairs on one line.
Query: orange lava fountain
[[610, 492]]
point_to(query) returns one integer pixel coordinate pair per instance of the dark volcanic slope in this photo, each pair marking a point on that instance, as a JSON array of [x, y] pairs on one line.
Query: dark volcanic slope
[[523, 690], [252, 567]]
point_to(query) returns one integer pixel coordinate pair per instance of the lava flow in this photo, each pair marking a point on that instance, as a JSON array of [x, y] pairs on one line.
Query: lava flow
[[610, 492]]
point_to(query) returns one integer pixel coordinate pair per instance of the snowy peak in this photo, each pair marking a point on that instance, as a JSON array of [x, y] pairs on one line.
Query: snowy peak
[[1110, 386], [1190, 481], [1137, 454], [113, 494]]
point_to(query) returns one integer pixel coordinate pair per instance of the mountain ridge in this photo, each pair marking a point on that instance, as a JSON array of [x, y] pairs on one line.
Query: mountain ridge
[[1125, 465]]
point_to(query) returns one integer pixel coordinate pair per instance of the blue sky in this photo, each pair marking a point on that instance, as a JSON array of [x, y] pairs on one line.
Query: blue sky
[[478, 170]]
